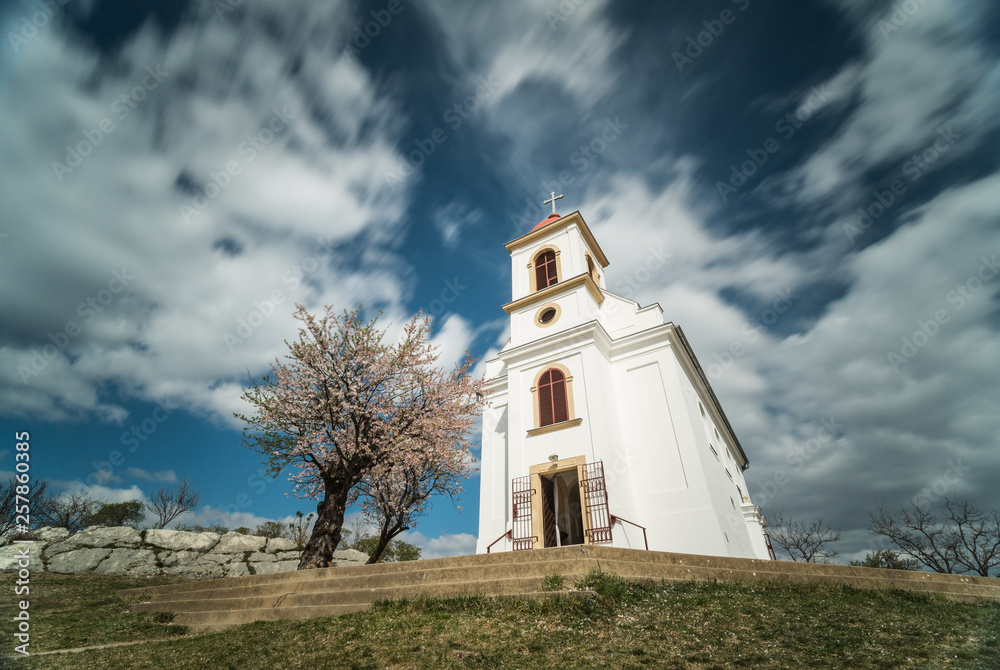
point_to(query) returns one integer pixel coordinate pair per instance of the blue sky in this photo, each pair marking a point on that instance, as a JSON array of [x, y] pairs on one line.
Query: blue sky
[[822, 178]]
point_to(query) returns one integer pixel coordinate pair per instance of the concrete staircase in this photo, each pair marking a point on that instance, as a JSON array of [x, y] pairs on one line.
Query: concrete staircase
[[218, 603]]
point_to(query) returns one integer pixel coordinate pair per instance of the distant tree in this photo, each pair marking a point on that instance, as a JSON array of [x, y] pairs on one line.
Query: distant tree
[[242, 530], [888, 559], [404, 551], [271, 530], [805, 542], [961, 539], [300, 529], [349, 405], [396, 551], [128, 513], [218, 528], [168, 505], [37, 497], [71, 511]]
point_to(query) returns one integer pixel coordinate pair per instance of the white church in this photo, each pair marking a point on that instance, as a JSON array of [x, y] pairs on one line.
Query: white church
[[601, 426]]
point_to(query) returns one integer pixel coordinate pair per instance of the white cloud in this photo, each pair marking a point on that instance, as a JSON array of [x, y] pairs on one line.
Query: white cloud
[[168, 476], [926, 74], [446, 544], [169, 308]]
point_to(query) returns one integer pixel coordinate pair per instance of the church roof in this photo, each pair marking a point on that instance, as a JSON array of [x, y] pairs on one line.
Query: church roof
[[548, 220]]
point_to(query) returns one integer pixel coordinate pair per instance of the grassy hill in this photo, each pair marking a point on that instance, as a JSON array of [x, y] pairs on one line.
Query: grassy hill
[[689, 625]]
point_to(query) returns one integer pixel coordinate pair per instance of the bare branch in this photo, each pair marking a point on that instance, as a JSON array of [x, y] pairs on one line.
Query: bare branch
[[168, 505], [805, 542]]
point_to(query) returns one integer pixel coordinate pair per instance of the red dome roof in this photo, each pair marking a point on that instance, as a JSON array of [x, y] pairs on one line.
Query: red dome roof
[[550, 219]]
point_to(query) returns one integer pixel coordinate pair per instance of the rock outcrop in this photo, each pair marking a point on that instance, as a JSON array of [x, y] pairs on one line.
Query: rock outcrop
[[126, 551]]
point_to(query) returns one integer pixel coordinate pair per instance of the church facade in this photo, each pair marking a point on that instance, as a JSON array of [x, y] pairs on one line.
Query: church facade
[[601, 427]]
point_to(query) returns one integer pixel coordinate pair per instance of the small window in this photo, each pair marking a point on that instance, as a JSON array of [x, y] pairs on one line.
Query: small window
[[592, 271], [702, 408], [729, 475], [547, 315], [552, 405], [732, 503], [714, 452], [545, 270]]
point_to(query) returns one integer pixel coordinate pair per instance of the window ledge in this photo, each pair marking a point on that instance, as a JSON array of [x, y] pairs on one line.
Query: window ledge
[[555, 426]]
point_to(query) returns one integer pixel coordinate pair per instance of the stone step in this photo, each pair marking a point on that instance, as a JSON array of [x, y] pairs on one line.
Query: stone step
[[864, 577], [245, 613], [307, 593], [674, 573], [372, 581], [485, 587]]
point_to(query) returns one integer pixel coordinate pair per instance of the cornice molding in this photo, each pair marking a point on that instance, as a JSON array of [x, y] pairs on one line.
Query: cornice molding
[[556, 226], [551, 292]]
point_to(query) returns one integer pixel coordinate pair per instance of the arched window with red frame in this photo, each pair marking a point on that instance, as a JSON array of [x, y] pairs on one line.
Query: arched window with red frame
[[552, 405], [545, 270]]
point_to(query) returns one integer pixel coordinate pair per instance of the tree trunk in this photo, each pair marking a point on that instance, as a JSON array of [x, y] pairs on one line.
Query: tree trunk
[[383, 544], [326, 532], [386, 536]]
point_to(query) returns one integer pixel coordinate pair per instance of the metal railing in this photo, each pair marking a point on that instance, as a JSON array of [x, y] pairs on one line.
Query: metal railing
[[642, 528], [507, 535]]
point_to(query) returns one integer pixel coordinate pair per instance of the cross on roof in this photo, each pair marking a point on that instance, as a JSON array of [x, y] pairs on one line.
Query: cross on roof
[[553, 201]]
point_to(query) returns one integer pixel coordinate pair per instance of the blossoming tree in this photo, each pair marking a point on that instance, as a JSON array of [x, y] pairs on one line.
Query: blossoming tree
[[348, 405]]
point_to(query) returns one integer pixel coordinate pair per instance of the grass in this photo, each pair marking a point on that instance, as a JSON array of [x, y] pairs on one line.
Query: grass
[[627, 625]]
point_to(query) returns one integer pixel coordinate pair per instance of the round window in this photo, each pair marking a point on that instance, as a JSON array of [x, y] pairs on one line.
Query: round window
[[547, 315]]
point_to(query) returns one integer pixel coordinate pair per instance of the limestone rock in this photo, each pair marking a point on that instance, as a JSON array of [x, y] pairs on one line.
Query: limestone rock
[[120, 536], [179, 540], [196, 570], [132, 562], [237, 570], [235, 543], [77, 561], [11, 555], [352, 555], [258, 557], [276, 566], [280, 544], [170, 559], [48, 534], [219, 559], [58, 548]]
